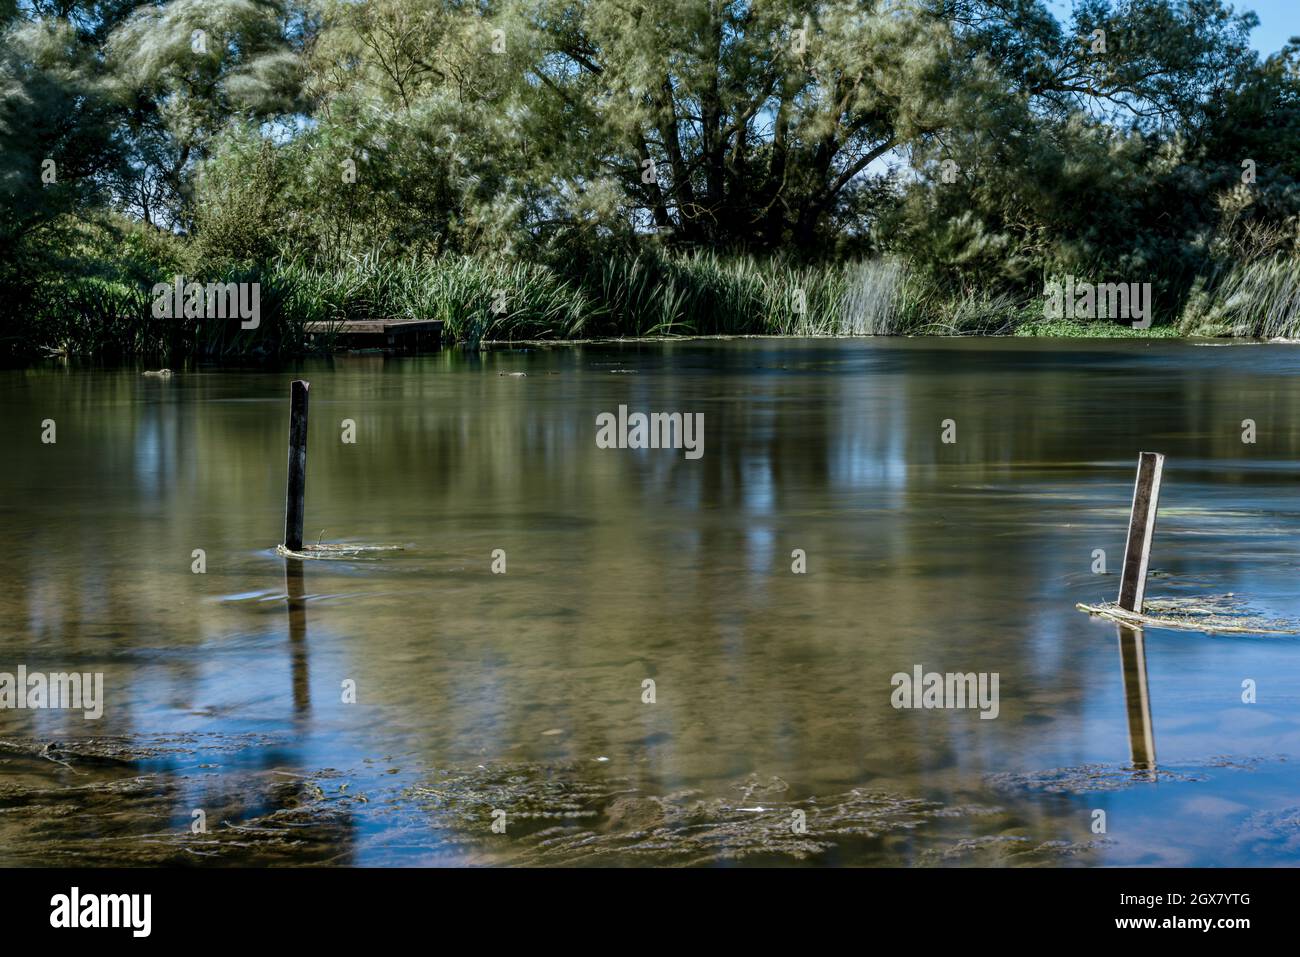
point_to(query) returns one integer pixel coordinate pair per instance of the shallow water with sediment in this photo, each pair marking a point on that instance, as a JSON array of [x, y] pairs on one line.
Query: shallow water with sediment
[[772, 738]]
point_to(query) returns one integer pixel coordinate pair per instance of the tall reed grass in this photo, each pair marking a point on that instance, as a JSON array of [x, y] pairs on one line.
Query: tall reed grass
[[476, 299], [652, 293], [1259, 297]]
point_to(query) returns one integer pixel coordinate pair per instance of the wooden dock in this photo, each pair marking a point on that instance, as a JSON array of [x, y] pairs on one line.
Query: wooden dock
[[416, 336]]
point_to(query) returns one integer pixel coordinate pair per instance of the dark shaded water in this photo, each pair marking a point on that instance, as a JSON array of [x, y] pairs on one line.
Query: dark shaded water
[[523, 692]]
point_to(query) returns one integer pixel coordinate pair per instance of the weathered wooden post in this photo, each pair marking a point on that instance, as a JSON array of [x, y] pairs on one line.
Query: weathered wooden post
[[293, 499], [1141, 526]]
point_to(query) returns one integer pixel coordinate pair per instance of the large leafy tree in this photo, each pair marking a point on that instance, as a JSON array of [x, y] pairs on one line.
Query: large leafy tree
[[739, 123], [183, 70], [1092, 150], [778, 125], [57, 133]]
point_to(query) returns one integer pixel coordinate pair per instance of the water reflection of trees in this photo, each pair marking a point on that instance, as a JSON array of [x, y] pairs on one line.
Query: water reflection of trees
[[623, 565]]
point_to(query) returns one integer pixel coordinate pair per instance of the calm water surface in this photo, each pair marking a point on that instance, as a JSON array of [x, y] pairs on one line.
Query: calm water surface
[[478, 692]]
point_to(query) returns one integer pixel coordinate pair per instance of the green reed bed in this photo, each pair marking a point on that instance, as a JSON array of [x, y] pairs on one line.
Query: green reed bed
[[476, 298], [92, 317], [1258, 297], [622, 294]]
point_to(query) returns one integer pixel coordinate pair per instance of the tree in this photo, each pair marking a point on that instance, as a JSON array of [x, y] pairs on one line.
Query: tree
[[56, 135], [182, 71]]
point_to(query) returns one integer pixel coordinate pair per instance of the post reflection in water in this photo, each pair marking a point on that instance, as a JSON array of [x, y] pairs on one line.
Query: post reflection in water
[[1141, 734], [297, 604]]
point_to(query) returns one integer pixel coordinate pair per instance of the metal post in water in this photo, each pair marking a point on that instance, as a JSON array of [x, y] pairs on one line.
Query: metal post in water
[[1141, 527], [297, 488]]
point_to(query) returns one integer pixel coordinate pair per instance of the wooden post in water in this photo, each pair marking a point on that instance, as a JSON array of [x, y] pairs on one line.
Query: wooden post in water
[[297, 488], [1141, 526]]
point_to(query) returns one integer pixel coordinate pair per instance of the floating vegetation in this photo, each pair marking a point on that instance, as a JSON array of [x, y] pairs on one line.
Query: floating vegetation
[[1211, 614], [1085, 778], [1235, 763], [1001, 850], [1271, 832], [124, 750], [133, 801], [561, 817], [337, 551]]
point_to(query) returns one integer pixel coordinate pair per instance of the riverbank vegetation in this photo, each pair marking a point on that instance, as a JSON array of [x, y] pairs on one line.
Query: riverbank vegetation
[[528, 169]]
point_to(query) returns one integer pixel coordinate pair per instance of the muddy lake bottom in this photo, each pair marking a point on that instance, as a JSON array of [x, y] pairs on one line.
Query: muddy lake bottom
[[389, 707]]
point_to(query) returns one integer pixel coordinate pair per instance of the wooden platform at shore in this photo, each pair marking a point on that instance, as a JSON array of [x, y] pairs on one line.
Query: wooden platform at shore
[[416, 336]]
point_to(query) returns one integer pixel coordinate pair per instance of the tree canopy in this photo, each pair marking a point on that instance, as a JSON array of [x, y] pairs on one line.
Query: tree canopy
[[983, 139]]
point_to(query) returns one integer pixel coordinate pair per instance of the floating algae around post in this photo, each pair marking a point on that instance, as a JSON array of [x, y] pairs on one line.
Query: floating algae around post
[[1211, 614], [1084, 779], [336, 551], [1087, 778]]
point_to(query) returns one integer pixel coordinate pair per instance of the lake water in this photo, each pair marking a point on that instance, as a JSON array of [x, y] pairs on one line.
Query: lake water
[[226, 737]]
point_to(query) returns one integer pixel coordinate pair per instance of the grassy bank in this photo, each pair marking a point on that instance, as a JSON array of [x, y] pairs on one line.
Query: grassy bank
[[497, 299]]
